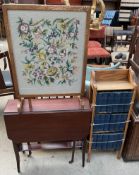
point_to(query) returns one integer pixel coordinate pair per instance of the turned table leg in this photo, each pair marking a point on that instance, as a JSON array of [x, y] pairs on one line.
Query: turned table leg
[[73, 151], [16, 150], [29, 149], [83, 152]]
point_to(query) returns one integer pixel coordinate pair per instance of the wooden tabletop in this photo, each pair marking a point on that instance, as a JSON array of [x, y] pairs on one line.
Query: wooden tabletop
[[47, 105]]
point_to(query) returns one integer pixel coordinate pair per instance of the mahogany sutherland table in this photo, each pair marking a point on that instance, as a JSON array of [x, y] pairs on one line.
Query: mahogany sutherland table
[[49, 120]]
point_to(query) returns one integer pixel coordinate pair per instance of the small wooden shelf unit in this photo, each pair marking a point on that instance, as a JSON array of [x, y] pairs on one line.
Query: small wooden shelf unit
[[112, 94]]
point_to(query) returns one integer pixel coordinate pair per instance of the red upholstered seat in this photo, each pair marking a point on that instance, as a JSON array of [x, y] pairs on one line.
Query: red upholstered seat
[[99, 52], [96, 51], [92, 44]]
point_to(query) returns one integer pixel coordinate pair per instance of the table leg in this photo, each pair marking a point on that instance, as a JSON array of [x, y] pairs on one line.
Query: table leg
[[16, 150], [73, 151], [83, 152], [29, 149]]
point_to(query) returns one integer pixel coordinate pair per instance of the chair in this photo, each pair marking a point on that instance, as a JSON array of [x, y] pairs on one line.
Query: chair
[[122, 37], [133, 45], [97, 54], [6, 83], [134, 62], [109, 35]]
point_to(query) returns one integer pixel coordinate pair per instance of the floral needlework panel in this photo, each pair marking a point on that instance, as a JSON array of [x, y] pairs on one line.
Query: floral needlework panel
[[48, 50]]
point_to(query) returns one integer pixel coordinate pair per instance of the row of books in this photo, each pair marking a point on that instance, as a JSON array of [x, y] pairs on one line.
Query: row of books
[[110, 118], [111, 127], [107, 137], [114, 97], [107, 145], [110, 141], [112, 108], [109, 122]]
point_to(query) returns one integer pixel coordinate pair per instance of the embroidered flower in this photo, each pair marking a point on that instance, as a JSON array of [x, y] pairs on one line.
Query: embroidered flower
[[28, 67], [52, 71], [41, 54], [24, 28], [63, 53], [51, 49]]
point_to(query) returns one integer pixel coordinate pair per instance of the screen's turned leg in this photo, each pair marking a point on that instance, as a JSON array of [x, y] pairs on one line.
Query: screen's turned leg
[[73, 151], [16, 150]]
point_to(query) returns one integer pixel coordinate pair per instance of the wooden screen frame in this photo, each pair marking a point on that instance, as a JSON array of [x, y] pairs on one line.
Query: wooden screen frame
[[14, 7]]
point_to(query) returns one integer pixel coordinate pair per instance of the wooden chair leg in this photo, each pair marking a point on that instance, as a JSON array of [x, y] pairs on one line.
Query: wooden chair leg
[[16, 150], [73, 151]]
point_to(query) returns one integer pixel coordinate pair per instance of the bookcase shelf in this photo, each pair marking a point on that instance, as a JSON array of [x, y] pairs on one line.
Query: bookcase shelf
[[112, 95], [126, 9]]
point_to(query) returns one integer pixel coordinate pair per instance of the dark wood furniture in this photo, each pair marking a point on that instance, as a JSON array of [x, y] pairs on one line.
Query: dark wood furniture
[[131, 148], [49, 120], [134, 63], [6, 83], [133, 50]]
